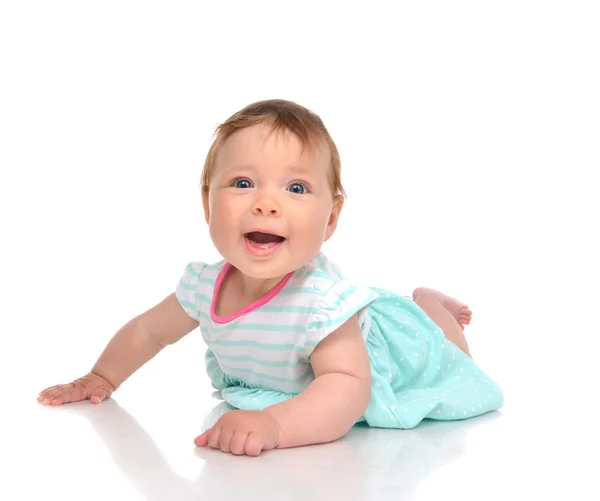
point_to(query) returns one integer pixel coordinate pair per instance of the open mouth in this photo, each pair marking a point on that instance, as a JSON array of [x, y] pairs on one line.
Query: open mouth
[[262, 244], [263, 238]]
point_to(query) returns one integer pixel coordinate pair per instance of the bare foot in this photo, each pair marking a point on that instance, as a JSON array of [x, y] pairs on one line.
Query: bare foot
[[460, 311]]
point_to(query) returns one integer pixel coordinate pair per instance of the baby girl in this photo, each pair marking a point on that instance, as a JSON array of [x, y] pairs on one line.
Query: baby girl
[[302, 352]]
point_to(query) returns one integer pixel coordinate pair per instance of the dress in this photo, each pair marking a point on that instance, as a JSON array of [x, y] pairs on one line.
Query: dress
[[260, 355]]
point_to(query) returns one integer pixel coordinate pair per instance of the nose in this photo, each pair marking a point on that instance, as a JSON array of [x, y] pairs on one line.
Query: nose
[[266, 205]]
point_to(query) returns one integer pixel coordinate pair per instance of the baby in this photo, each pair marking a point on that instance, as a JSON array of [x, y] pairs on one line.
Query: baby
[[303, 353]]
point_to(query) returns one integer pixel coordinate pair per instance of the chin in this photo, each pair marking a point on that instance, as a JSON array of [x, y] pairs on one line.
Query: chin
[[264, 272]]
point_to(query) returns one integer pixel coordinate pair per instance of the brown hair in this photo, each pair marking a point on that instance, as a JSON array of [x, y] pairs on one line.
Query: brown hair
[[282, 115]]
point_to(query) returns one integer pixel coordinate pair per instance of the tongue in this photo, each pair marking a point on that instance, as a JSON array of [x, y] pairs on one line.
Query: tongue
[[263, 238]]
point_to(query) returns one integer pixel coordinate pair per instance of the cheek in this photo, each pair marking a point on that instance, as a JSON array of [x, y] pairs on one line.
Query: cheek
[[218, 208], [313, 221], [223, 207], [220, 217]]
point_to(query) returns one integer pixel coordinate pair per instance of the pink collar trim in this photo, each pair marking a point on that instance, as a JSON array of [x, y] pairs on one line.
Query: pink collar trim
[[251, 307]]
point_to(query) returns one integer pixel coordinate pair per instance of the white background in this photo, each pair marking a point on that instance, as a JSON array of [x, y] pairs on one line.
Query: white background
[[469, 136]]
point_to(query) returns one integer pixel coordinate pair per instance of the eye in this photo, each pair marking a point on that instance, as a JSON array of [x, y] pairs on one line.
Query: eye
[[243, 183], [297, 188]]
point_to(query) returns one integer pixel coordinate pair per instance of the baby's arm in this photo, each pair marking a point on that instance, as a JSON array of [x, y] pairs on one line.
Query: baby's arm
[[338, 396], [138, 341], [142, 339]]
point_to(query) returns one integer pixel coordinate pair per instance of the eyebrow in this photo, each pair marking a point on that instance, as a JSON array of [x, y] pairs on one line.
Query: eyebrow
[[235, 168], [294, 168], [301, 169]]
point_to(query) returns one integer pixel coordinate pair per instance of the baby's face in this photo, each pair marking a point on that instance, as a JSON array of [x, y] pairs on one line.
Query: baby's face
[[269, 207]]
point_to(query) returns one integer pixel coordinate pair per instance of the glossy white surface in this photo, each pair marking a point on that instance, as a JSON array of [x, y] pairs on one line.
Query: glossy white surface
[[469, 137], [139, 445]]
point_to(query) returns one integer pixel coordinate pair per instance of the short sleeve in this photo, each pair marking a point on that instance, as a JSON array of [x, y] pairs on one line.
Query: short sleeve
[[186, 289], [341, 301]]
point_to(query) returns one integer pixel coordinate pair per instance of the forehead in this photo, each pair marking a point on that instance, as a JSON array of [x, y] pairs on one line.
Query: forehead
[[260, 145]]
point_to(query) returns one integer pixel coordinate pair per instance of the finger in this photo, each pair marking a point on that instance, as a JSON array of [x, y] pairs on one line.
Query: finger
[[213, 437], [52, 395], [254, 444], [238, 443], [99, 394], [59, 397], [45, 392], [66, 393], [202, 440], [49, 391], [225, 439], [71, 392]]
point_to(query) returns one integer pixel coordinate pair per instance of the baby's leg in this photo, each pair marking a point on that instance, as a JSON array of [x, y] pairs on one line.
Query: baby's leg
[[447, 313], [460, 311]]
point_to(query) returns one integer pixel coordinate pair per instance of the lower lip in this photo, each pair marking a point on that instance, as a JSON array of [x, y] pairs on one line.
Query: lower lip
[[261, 250]]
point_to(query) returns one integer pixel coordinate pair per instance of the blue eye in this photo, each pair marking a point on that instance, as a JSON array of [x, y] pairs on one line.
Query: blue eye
[[243, 183], [297, 188]]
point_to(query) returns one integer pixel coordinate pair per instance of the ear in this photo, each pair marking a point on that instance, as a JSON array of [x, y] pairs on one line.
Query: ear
[[338, 203], [205, 203]]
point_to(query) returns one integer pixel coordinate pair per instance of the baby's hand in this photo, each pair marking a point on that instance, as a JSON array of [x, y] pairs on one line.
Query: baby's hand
[[242, 432], [91, 386]]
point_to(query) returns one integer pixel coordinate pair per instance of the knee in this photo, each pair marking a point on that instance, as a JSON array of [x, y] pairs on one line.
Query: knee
[[422, 293]]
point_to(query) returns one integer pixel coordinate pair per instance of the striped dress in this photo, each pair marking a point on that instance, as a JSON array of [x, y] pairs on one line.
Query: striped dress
[[260, 355]]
